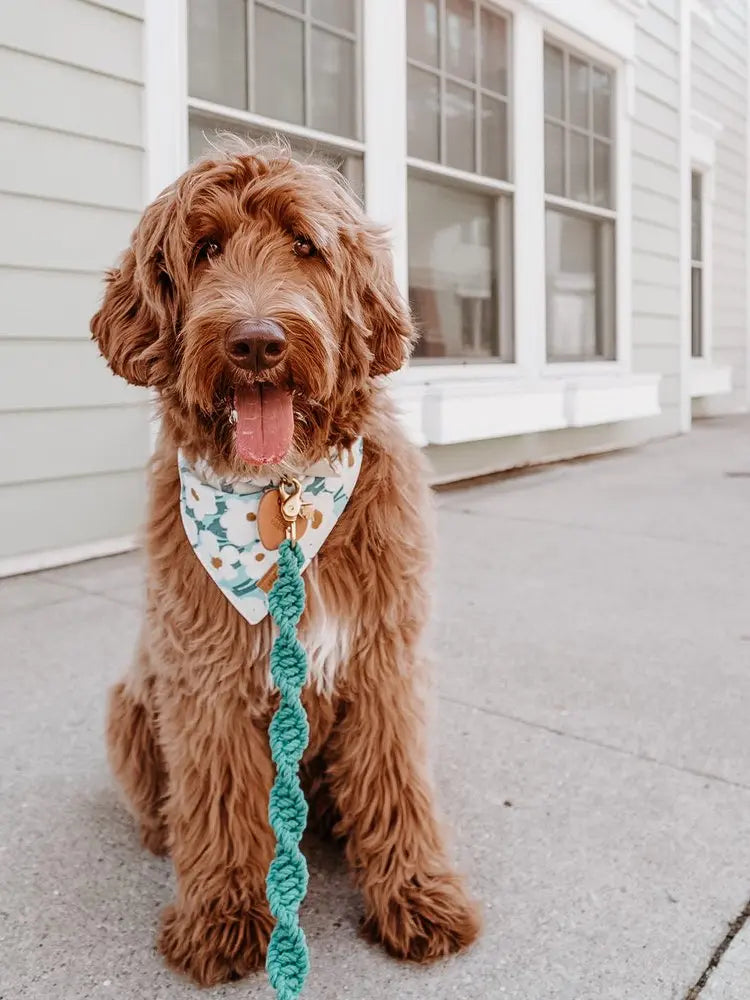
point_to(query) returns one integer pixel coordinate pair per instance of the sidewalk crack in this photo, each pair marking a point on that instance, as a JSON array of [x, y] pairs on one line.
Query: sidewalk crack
[[733, 930]]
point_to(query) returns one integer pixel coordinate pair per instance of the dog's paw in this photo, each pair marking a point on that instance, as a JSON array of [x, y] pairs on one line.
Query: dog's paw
[[429, 918], [154, 838], [211, 946]]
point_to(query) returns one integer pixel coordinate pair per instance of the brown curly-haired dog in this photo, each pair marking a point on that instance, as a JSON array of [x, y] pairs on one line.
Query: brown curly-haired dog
[[246, 237]]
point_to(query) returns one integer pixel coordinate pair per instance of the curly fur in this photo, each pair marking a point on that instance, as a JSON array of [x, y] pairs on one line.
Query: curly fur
[[187, 729]]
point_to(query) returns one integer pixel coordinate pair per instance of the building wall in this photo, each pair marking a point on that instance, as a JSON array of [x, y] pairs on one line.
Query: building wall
[[656, 205], [73, 439], [719, 91]]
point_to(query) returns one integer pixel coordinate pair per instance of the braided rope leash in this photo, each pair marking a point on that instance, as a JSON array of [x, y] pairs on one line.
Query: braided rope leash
[[287, 961]]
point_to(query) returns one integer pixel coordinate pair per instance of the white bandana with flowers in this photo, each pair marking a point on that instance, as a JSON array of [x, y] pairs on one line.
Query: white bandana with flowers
[[221, 523]]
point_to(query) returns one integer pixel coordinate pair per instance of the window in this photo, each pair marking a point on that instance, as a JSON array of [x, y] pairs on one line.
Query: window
[[580, 217], [696, 265], [295, 62], [460, 229]]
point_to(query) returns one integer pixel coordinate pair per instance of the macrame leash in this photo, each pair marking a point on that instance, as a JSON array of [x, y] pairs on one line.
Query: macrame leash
[[287, 961]]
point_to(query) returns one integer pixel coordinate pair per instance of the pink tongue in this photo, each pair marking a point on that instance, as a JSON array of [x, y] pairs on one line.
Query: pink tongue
[[265, 423]]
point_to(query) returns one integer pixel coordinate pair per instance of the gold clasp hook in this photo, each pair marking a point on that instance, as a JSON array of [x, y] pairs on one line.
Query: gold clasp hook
[[290, 491]]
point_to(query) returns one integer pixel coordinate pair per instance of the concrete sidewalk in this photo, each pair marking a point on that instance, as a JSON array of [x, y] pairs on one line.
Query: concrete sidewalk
[[593, 635]]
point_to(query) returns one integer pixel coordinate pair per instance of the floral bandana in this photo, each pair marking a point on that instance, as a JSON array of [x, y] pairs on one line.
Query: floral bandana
[[235, 528]]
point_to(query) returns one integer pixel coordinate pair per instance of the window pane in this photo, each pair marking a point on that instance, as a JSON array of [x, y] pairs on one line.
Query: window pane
[[494, 138], [422, 31], [553, 82], [494, 37], [696, 312], [602, 175], [216, 51], [423, 114], [459, 38], [602, 85], [579, 93], [579, 167], [339, 13], [279, 64], [459, 127], [452, 267], [333, 89], [696, 236], [554, 169], [580, 287]]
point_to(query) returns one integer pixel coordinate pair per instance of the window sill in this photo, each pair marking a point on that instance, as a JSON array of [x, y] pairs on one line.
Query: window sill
[[450, 409], [709, 380]]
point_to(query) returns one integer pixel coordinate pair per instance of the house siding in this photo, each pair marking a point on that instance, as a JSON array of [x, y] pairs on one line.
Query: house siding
[[73, 439], [719, 91], [656, 207]]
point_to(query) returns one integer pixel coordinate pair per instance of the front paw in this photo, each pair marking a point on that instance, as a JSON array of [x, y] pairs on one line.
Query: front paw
[[214, 945], [428, 918]]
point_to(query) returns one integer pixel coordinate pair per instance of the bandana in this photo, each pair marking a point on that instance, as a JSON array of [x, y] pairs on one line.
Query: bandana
[[235, 528]]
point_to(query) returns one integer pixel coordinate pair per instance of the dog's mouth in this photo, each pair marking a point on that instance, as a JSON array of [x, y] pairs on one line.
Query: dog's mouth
[[264, 423]]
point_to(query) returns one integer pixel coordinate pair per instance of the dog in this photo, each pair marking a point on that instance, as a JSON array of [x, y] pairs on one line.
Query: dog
[[258, 303]]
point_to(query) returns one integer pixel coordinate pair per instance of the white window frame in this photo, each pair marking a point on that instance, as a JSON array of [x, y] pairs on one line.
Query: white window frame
[[588, 210], [706, 175], [478, 183], [705, 378], [527, 394]]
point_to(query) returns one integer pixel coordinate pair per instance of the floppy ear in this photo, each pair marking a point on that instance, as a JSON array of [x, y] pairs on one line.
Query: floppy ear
[[134, 320], [392, 332]]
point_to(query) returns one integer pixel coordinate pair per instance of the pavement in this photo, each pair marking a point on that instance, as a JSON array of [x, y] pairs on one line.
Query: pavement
[[592, 634]]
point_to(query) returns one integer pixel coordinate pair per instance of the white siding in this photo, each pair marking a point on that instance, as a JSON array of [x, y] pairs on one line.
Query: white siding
[[719, 91], [73, 438], [656, 205]]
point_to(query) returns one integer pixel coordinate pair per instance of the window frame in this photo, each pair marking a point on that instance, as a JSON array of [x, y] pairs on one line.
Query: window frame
[[699, 263], [473, 181], [581, 209], [329, 143]]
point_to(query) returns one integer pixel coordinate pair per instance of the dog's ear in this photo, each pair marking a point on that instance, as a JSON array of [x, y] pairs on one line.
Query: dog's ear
[[392, 332], [136, 316]]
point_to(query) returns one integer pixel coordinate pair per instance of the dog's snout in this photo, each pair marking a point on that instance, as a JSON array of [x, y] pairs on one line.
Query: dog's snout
[[255, 345]]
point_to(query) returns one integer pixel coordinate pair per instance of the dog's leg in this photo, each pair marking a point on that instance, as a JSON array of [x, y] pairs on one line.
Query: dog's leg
[[134, 753], [416, 907], [220, 775]]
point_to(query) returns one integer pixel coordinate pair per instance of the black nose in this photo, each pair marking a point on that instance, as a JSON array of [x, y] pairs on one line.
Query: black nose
[[255, 345]]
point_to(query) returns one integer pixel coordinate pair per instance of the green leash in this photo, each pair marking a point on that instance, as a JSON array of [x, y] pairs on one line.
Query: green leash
[[287, 961]]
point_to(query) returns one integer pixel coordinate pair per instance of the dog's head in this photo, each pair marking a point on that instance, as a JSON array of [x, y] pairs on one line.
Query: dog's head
[[259, 302]]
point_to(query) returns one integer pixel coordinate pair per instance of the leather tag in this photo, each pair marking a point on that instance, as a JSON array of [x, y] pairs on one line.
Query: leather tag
[[271, 524]]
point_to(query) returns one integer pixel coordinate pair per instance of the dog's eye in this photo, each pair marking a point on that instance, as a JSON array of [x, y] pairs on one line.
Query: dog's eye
[[304, 247], [207, 249]]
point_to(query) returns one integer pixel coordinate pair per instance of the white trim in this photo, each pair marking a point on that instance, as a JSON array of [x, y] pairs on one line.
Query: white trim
[[32, 562], [451, 410], [482, 182], [602, 400], [705, 379], [474, 411], [685, 132], [527, 96], [384, 99], [165, 42], [582, 207], [213, 110]]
